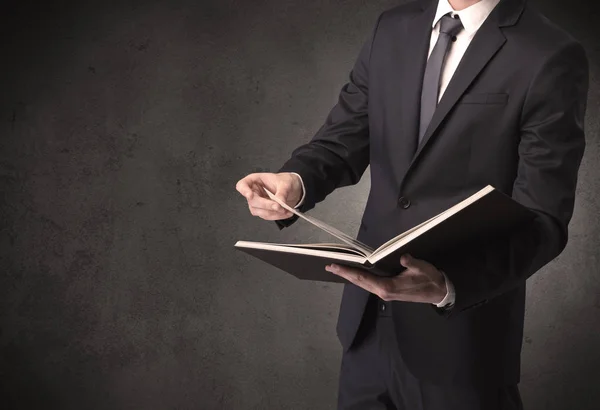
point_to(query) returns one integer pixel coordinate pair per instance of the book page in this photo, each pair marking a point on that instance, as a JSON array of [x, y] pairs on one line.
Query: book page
[[404, 234], [409, 235], [341, 256], [327, 228], [336, 247], [327, 246]]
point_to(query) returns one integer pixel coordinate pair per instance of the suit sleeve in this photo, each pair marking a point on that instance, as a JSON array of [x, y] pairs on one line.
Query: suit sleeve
[[338, 154], [550, 152]]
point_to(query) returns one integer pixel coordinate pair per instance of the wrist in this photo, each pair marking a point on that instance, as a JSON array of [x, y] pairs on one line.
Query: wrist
[[441, 293], [446, 295], [297, 189]]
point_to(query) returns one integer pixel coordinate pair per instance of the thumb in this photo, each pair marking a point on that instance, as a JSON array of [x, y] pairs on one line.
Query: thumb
[[408, 261], [283, 190]]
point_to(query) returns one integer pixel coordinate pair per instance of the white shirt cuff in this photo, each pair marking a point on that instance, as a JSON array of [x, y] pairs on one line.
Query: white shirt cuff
[[303, 190], [450, 294]]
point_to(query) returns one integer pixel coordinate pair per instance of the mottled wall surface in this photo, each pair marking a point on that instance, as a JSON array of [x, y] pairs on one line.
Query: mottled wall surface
[[124, 127]]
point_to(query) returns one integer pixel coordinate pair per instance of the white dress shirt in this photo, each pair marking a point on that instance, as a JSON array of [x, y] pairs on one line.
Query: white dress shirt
[[472, 18]]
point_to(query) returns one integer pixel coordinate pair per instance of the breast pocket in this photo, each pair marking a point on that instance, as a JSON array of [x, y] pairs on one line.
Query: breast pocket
[[484, 98]]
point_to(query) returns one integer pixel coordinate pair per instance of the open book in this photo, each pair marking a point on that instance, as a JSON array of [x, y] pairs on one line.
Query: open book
[[485, 214]]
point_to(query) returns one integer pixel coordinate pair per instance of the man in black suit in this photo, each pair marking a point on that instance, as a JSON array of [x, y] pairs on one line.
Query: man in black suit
[[445, 97]]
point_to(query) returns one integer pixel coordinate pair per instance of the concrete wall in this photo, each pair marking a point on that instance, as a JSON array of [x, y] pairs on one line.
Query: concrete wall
[[124, 127]]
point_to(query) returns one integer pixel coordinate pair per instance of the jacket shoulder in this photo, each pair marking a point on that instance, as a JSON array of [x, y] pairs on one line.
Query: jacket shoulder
[[405, 10], [539, 36]]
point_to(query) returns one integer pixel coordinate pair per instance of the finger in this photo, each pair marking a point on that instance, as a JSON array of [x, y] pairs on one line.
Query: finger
[[270, 215], [282, 191], [412, 264], [245, 187], [407, 261], [264, 203], [251, 187], [359, 277]]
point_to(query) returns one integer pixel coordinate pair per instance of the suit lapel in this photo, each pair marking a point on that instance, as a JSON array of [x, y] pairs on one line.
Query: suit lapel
[[411, 58], [485, 44]]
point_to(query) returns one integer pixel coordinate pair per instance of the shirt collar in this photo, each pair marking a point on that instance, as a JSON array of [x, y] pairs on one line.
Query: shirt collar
[[472, 17]]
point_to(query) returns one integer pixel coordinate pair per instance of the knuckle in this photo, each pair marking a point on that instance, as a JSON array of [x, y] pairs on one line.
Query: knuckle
[[414, 271], [361, 277]]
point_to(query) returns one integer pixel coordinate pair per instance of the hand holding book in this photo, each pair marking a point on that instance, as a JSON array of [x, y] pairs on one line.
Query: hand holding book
[[421, 282]]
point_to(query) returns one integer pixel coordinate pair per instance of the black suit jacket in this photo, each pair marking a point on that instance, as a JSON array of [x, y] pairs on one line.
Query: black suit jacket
[[512, 117]]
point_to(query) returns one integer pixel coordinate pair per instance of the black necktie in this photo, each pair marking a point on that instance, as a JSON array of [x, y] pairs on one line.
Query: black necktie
[[449, 27]]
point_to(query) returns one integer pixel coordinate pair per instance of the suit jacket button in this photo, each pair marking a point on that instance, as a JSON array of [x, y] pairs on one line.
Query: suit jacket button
[[404, 202]]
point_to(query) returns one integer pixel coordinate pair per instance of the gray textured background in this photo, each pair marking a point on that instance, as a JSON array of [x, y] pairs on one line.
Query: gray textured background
[[124, 127]]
